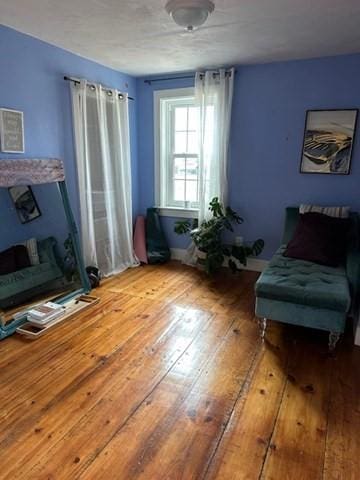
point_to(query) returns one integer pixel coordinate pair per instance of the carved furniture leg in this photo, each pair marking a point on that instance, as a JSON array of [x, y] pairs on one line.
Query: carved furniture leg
[[333, 339], [262, 324]]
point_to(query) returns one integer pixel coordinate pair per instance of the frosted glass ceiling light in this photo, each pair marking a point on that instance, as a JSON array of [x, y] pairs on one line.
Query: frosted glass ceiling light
[[189, 13]]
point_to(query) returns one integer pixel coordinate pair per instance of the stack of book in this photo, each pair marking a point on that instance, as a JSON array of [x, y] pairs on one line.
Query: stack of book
[[45, 313]]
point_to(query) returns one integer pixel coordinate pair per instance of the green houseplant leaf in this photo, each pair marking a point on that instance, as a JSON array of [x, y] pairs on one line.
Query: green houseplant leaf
[[207, 238]]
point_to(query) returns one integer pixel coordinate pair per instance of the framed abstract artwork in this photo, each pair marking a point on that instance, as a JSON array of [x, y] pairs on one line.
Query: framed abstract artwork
[[328, 141], [25, 203], [11, 131]]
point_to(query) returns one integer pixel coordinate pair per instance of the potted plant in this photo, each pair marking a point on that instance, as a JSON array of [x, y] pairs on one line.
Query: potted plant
[[211, 252]]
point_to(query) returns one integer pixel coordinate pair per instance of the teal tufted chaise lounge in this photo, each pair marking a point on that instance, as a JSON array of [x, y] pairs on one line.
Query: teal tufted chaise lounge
[[305, 293]]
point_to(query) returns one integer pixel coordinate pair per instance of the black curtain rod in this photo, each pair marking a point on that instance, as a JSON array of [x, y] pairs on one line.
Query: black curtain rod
[[77, 82], [164, 79]]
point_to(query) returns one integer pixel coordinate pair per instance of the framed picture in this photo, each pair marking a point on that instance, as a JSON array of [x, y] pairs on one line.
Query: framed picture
[[11, 131], [25, 203], [328, 141]]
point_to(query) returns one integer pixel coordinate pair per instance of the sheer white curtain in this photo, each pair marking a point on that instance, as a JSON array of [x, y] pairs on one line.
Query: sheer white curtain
[[213, 96], [102, 144]]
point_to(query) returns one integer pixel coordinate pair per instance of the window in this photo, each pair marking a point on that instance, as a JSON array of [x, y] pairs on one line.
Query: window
[[176, 152]]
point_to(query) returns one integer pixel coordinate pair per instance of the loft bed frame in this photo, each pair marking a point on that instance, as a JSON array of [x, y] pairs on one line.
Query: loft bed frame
[[36, 172]]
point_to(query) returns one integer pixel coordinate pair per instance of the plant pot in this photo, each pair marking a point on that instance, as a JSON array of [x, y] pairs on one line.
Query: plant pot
[[200, 259], [200, 254], [200, 267]]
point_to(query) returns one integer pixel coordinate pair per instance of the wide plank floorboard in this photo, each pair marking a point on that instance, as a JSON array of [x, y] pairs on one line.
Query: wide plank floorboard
[[166, 378]]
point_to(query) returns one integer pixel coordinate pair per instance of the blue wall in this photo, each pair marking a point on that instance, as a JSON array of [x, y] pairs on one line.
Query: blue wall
[[267, 130], [31, 80], [270, 103]]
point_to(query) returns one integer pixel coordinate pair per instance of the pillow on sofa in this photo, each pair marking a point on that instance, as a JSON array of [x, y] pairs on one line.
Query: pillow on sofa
[[338, 212], [320, 239], [7, 261], [21, 257], [14, 259], [32, 249]]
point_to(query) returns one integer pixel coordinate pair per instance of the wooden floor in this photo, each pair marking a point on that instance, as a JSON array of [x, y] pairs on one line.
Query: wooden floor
[[166, 378]]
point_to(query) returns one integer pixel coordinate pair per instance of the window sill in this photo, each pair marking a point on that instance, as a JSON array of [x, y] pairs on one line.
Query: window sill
[[178, 212]]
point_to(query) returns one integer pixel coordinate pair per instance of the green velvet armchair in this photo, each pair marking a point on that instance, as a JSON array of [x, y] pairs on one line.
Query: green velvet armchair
[[307, 294]]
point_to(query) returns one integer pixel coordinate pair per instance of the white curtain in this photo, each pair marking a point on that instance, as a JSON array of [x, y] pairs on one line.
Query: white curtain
[[213, 95], [102, 144]]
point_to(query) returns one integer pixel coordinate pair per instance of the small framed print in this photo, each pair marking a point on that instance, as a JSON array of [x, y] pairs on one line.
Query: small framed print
[[25, 203], [11, 131], [328, 141]]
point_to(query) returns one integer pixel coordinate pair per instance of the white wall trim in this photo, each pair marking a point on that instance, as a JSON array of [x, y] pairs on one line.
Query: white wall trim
[[254, 264], [178, 212], [177, 253], [158, 95]]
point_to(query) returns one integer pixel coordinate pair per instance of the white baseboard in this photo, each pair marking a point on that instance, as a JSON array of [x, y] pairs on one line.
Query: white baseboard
[[253, 264], [177, 253], [256, 264]]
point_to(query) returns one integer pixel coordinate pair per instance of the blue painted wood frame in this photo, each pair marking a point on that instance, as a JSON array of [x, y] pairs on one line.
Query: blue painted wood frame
[[9, 329]]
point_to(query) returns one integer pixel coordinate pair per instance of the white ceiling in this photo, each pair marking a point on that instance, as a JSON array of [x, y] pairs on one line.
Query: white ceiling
[[139, 38]]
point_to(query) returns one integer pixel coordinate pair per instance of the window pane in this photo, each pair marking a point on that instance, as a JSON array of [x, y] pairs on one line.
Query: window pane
[[179, 190], [179, 174], [192, 169], [181, 118], [191, 191], [180, 142], [192, 143], [179, 168], [193, 118]]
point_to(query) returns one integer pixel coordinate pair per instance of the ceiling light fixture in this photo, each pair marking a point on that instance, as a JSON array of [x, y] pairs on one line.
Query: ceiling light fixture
[[189, 14]]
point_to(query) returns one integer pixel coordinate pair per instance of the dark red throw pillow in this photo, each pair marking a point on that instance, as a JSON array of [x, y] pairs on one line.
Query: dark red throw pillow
[[320, 239], [7, 261], [13, 259], [21, 257]]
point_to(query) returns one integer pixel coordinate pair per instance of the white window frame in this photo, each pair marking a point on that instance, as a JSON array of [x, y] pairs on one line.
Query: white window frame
[[162, 180]]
